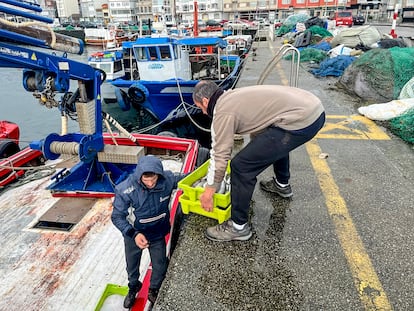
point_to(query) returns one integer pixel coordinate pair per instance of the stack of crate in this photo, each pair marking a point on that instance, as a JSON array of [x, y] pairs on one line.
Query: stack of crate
[[190, 198]]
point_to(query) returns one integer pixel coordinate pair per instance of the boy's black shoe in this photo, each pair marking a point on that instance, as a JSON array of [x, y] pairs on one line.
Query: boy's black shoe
[[131, 296], [152, 294]]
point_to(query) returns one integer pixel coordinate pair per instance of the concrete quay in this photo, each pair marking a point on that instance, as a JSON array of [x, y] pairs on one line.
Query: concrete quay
[[343, 242]]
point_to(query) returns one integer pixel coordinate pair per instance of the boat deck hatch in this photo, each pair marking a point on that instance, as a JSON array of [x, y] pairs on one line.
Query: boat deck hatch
[[65, 214]]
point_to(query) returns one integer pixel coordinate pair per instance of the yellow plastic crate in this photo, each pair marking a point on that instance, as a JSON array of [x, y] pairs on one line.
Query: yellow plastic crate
[[111, 289], [187, 206], [190, 198]]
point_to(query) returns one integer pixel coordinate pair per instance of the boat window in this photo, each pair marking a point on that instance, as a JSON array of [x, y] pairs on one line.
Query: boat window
[[117, 66], [105, 67], [140, 53], [153, 53], [165, 52]]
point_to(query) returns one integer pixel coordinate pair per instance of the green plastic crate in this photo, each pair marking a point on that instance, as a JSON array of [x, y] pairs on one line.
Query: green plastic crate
[[190, 198], [187, 206], [111, 289]]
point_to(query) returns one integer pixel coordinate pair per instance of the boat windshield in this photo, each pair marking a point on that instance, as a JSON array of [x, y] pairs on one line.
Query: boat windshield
[[108, 67], [151, 53]]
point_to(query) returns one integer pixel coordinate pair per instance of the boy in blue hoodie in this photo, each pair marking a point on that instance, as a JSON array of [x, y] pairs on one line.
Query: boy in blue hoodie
[[141, 213]]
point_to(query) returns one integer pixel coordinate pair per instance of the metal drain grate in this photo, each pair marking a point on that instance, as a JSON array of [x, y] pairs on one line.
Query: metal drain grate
[[65, 214]]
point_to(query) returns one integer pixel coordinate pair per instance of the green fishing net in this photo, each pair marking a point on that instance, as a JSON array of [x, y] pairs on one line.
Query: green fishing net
[[379, 74], [310, 55], [283, 30], [403, 126], [290, 23], [403, 59], [319, 31]]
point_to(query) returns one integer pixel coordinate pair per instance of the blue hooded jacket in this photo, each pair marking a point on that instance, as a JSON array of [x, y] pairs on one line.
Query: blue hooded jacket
[[137, 209]]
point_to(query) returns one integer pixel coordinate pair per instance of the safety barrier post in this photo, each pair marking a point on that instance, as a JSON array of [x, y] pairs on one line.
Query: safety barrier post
[[394, 21]]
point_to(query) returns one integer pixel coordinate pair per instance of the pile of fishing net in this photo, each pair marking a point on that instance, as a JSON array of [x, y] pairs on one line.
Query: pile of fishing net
[[400, 74], [379, 75], [320, 32], [311, 55], [352, 37], [289, 23], [403, 126]]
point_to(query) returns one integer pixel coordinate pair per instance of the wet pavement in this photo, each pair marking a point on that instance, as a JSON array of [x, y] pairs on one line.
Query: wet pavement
[[343, 242]]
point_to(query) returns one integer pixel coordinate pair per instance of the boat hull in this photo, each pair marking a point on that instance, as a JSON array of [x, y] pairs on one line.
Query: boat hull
[[166, 99], [70, 270], [9, 130]]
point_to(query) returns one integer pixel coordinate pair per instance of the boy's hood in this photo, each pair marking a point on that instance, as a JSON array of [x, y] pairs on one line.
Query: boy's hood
[[148, 164]]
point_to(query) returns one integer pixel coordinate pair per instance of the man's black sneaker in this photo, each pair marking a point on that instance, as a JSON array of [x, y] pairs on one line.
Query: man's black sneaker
[[152, 294], [273, 186], [131, 296]]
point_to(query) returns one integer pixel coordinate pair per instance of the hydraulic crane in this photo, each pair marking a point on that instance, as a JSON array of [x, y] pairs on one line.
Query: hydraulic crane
[[47, 75]]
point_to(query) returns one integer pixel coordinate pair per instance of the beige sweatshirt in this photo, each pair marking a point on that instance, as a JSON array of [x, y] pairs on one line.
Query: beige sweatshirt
[[251, 109]]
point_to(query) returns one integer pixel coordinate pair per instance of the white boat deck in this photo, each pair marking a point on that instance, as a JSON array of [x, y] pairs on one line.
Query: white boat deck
[[45, 269]]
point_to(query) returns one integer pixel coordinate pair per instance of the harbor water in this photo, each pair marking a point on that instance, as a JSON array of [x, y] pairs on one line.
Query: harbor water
[[37, 121], [21, 107]]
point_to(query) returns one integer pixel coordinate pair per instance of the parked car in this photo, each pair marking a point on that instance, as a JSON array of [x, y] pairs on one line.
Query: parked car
[[201, 24], [359, 20], [223, 21], [247, 22], [261, 22], [67, 23], [185, 23], [212, 22], [343, 18], [86, 24], [236, 24]]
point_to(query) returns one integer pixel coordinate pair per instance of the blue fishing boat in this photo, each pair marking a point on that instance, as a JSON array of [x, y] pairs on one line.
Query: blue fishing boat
[[160, 74], [57, 236]]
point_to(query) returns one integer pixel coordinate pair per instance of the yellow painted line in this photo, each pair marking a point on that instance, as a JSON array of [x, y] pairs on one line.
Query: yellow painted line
[[280, 71], [351, 127], [366, 280], [283, 78]]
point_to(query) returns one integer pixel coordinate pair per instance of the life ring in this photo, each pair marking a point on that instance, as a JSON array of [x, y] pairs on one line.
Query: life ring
[[112, 34], [122, 99], [167, 134], [138, 94]]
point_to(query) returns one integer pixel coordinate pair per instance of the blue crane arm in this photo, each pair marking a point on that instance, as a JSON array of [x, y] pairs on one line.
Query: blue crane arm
[[45, 75], [23, 4], [19, 57], [36, 32]]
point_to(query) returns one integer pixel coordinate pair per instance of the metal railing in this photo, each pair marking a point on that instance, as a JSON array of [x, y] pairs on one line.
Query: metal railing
[[294, 68]]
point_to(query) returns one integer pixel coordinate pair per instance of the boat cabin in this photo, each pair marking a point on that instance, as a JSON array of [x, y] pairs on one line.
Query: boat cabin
[[157, 59], [165, 58], [238, 44], [111, 62]]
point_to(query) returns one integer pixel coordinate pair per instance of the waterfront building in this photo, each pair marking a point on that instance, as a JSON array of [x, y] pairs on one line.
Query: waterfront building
[[68, 9], [207, 9], [92, 10], [49, 8], [182, 11]]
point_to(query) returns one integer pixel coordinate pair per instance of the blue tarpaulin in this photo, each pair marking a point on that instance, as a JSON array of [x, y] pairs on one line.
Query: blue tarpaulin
[[333, 66]]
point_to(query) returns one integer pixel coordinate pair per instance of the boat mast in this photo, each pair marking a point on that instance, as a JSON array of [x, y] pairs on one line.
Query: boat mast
[[195, 25]]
